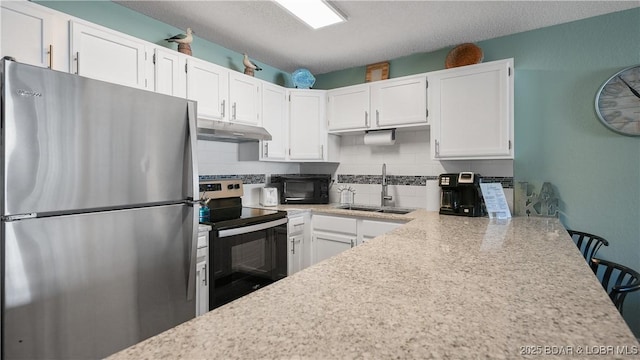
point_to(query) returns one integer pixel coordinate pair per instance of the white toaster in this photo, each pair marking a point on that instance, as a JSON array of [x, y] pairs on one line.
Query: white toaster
[[269, 196]]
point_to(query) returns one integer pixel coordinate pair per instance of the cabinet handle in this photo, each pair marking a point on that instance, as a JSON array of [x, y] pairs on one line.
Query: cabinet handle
[[223, 107], [78, 63], [293, 246], [366, 118], [377, 118], [322, 152], [233, 110], [266, 150], [351, 242], [204, 274], [437, 147], [50, 52]]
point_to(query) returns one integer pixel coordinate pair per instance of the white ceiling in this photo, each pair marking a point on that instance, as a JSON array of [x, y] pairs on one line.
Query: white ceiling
[[375, 31]]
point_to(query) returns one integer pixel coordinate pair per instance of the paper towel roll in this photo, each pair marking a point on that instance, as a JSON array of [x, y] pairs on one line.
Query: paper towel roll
[[380, 137]]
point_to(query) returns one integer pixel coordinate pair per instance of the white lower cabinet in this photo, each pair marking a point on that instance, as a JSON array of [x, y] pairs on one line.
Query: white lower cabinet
[[332, 235], [331, 244], [202, 274], [297, 249], [369, 229]]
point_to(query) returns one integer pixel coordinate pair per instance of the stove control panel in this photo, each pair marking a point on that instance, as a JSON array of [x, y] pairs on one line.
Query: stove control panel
[[220, 189]]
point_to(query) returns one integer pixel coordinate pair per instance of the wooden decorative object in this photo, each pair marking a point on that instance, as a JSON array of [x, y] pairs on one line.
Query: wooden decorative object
[[184, 48], [464, 54], [377, 71], [249, 71]]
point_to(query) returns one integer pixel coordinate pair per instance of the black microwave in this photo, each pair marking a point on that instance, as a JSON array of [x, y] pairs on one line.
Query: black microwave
[[302, 189]]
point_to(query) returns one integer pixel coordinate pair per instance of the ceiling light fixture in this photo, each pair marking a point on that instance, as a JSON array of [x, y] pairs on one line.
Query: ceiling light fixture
[[315, 13]]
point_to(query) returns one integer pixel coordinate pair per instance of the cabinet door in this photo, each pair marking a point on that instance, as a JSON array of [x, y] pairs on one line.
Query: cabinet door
[[274, 120], [472, 112], [307, 130], [296, 251], [348, 108], [103, 54], [244, 98], [399, 102], [26, 33], [369, 229], [202, 276], [208, 84], [169, 73], [331, 244]]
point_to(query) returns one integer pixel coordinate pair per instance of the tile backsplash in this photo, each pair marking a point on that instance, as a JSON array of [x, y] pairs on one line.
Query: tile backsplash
[[412, 176]]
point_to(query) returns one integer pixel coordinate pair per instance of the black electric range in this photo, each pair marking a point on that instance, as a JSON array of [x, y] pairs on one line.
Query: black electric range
[[247, 246], [244, 216]]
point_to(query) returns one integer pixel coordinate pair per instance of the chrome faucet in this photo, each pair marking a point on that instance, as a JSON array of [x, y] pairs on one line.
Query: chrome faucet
[[383, 195]]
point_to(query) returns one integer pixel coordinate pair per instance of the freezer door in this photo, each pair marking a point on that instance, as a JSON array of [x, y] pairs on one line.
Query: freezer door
[[75, 143], [86, 286]]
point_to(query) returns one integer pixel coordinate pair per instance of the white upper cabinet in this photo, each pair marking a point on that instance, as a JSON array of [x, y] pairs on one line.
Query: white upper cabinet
[[307, 133], [34, 35], [208, 84], [399, 102], [26, 33], [107, 55], [169, 72], [348, 108], [471, 110], [298, 129], [385, 104], [244, 99], [274, 120]]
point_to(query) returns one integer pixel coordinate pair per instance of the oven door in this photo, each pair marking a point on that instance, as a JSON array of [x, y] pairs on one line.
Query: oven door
[[246, 258]]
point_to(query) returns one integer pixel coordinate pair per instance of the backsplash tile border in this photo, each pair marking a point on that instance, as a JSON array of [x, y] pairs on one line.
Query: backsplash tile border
[[406, 180], [506, 182], [246, 178]]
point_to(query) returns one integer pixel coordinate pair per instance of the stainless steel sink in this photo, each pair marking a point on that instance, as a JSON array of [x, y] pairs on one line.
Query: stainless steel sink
[[386, 209]]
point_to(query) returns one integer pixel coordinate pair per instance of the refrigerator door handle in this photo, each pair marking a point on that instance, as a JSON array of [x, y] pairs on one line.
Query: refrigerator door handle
[[193, 254], [191, 280], [193, 145]]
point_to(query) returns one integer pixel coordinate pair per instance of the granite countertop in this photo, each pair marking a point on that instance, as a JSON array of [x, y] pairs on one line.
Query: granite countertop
[[439, 287], [333, 209]]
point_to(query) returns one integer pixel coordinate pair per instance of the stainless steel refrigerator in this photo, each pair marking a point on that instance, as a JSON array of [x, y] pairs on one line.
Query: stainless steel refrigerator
[[99, 222]]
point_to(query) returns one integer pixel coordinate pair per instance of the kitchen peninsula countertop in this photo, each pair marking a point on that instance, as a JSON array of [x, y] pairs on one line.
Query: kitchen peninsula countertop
[[437, 287]]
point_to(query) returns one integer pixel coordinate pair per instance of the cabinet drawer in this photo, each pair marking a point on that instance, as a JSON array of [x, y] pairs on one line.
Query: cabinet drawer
[[296, 225], [202, 254], [371, 228], [203, 240], [334, 224]]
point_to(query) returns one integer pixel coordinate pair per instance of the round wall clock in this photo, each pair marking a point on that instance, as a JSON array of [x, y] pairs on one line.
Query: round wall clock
[[618, 102]]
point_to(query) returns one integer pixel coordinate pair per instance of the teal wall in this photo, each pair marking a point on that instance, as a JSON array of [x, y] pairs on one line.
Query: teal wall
[[558, 137], [125, 20]]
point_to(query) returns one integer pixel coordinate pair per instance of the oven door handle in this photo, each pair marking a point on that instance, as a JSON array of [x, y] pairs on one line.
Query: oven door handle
[[251, 228]]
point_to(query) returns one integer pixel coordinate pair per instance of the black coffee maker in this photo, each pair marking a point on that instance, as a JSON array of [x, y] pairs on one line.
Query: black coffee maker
[[460, 194]]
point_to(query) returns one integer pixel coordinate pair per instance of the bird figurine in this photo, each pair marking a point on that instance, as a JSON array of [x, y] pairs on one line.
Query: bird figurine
[[249, 66], [182, 38]]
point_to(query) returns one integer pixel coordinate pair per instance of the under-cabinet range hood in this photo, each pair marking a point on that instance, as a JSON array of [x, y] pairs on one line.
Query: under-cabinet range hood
[[230, 132]]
